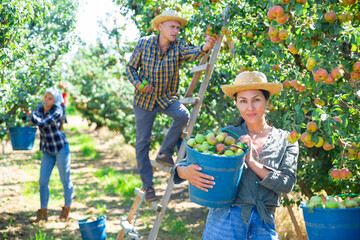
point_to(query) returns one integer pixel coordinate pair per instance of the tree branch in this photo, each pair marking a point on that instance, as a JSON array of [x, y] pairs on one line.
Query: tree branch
[[304, 189]]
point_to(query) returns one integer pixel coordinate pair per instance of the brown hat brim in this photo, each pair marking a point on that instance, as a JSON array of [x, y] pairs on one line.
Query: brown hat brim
[[160, 19], [272, 88]]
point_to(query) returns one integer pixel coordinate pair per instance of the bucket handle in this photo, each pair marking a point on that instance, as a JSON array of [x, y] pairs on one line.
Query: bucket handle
[[230, 132], [234, 145]]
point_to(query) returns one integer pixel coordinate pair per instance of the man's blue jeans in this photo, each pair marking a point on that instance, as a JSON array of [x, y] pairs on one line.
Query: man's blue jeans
[[63, 161], [144, 124], [227, 224]]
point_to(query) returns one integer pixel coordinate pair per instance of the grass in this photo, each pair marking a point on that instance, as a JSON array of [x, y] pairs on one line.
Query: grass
[[86, 144], [117, 183], [38, 155], [42, 236], [177, 226]]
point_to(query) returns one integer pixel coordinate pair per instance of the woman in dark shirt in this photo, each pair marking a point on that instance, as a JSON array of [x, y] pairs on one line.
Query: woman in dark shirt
[[269, 171], [55, 149]]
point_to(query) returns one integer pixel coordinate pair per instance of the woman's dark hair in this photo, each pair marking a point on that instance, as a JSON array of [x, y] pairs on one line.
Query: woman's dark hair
[[266, 96], [264, 92]]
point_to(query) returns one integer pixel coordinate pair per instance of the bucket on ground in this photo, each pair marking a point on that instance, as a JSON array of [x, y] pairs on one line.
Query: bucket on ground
[[226, 171], [331, 224], [22, 138], [93, 228]]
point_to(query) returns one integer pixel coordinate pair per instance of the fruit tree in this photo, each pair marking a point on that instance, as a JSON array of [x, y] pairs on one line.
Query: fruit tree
[[34, 37]]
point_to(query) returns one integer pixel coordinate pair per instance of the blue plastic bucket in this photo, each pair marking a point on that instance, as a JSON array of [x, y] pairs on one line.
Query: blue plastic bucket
[[22, 138], [226, 172], [93, 230], [332, 224]]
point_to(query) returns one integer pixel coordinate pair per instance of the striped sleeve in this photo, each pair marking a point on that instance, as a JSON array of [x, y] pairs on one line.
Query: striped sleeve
[[52, 117], [190, 53], [134, 64]]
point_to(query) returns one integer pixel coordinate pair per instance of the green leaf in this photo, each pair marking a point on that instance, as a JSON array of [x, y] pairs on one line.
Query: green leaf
[[308, 45], [328, 127], [299, 116]]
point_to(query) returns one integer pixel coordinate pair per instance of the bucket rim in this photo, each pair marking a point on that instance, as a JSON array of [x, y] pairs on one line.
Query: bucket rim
[[220, 157], [98, 218], [22, 130], [304, 207], [32, 127]]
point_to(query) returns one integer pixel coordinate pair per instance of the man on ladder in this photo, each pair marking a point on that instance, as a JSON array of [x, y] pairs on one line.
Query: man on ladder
[[154, 71]]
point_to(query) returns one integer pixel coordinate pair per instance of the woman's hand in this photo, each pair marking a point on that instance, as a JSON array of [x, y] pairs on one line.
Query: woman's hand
[[247, 140], [258, 168], [195, 177]]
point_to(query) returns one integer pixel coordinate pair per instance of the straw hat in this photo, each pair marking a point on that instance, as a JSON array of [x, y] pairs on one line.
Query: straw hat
[[251, 80], [168, 15]]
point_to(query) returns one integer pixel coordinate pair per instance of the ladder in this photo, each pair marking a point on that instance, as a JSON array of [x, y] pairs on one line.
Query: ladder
[[204, 66]]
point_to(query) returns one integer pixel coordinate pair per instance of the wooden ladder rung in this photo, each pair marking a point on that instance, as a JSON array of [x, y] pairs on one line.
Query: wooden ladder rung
[[186, 101], [200, 68], [154, 205], [161, 166], [184, 135], [127, 228]]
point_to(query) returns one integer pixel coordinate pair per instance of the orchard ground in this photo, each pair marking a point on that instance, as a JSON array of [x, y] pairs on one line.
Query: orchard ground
[[93, 178]]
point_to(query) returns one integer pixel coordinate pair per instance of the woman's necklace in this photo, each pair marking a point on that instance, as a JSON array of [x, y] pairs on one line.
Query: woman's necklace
[[261, 133]]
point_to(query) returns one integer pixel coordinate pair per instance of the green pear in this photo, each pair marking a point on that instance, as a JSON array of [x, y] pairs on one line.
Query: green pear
[[240, 144], [199, 138], [229, 140], [220, 138], [357, 199], [331, 204], [203, 147], [315, 199], [350, 203], [237, 153], [212, 141], [229, 153], [191, 142], [220, 147], [209, 135]]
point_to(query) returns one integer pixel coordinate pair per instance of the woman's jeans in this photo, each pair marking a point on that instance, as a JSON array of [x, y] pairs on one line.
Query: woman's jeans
[[227, 224], [63, 161]]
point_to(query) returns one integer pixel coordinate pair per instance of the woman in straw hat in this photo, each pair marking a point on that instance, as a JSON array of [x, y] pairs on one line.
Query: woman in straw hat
[[153, 69], [269, 171], [55, 148]]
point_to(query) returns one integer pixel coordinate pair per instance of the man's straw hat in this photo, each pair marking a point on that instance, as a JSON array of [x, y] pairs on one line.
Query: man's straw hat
[[168, 15], [251, 80]]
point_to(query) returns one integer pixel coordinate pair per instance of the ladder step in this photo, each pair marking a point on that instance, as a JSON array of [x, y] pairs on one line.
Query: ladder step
[[186, 101], [154, 205], [200, 68], [184, 135], [160, 166], [127, 228]]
